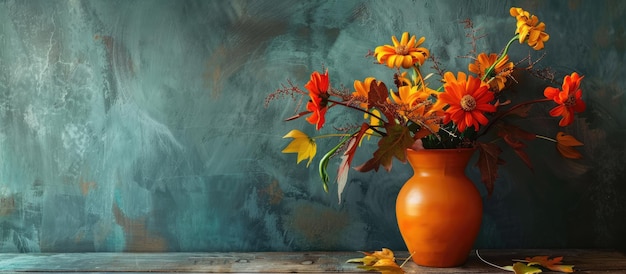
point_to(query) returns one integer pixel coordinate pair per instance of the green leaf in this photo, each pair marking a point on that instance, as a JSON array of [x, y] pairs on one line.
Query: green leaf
[[323, 166]]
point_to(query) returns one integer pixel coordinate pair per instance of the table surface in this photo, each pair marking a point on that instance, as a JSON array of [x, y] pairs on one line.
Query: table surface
[[585, 261]]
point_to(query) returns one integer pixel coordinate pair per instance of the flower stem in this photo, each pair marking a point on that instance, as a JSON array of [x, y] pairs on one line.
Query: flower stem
[[331, 135], [357, 108], [489, 263], [504, 52], [546, 138], [502, 114]]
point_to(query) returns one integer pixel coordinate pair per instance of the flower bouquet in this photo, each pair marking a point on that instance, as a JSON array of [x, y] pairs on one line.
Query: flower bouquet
[[453, 110]]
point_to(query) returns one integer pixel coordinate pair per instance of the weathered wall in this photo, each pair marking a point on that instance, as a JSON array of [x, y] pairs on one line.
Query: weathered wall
[[141, 126]]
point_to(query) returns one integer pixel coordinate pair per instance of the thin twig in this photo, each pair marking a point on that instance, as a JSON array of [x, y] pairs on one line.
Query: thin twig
[[407, 259], [491, 264]]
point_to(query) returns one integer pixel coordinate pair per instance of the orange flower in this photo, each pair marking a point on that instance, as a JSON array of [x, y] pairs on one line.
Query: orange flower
[[529, 28], [361, 93], [362, 90], [569, 99], [497, 77], [468, 99], [318, 91], [404, 54], [407, 97]]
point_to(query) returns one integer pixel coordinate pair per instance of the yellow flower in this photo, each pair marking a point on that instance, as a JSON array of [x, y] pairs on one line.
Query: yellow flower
[[374, 121], [302, 144], [529, 28], [414, 105], [404, 53], [407, 97], [500, 72]]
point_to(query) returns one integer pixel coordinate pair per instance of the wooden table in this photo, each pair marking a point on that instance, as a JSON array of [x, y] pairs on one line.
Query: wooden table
[[585, 261]]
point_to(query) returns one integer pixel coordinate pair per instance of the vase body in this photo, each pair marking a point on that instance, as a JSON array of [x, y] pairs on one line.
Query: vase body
[[439, 210]]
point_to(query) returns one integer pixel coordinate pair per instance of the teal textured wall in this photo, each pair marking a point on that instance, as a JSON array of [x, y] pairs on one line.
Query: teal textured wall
[[141, 126]]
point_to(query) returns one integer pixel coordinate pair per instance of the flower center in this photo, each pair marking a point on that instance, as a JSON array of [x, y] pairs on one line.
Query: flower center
[[570, 102], [468, 103], [402, 50]]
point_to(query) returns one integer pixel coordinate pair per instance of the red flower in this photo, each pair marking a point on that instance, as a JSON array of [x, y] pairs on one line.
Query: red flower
[[569, 99], [318, 91]]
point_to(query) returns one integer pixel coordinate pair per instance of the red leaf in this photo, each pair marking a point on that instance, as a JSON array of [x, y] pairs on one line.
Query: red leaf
[[488, 161], [378, 93], [553, 264], [520, 111], [513, 136], [346, 159], [394, 144], [565, 144], [377, 98], [298, 115]]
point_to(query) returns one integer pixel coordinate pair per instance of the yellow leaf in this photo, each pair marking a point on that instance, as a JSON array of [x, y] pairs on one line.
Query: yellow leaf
[[385, 253], [522, 268], [372, 258], [302, 144], [562, 268], [385, 262], [366, 260], [565, 144]]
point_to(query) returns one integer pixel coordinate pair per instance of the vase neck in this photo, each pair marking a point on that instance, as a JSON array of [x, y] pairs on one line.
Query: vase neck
[[441, 161]]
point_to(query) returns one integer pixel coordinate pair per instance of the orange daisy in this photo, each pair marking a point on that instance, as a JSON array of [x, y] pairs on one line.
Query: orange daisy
[[498, 76], [529, 28], [468, 99], [362, 90], [404, 53], [318, 91], [569, 99]]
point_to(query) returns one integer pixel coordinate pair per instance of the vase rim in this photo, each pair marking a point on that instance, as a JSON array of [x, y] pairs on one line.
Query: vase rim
[[442, 149]]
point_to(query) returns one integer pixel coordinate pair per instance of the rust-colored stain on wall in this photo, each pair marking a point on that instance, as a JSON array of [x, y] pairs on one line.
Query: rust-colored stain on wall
[[272, 193], [7, 205], [138, 238], [116, 50], [248, 39], [319, 225], [85, 187]]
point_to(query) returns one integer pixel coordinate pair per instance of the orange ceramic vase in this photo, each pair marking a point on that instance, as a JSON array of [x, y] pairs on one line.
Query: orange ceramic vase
[[439, 210]]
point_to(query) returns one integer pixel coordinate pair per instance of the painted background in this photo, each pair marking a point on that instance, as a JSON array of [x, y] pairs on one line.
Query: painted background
[[141, 125]]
